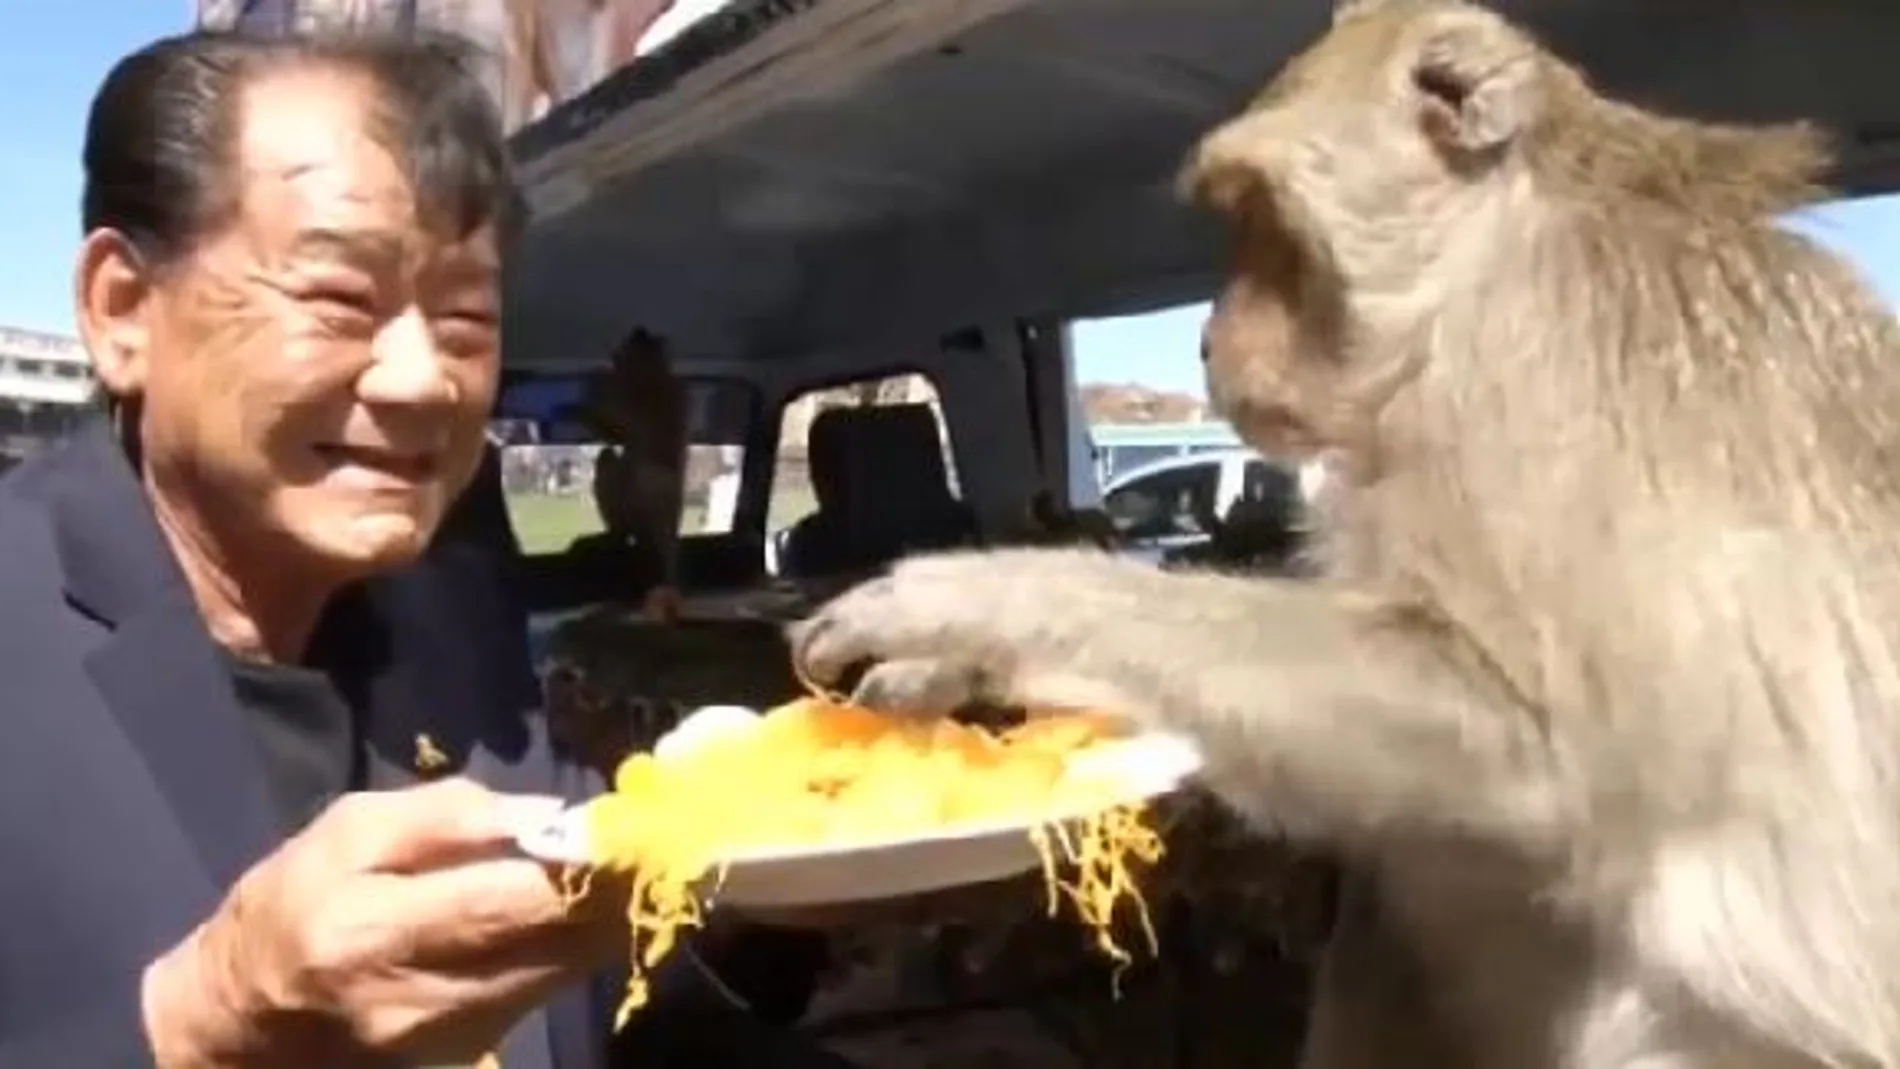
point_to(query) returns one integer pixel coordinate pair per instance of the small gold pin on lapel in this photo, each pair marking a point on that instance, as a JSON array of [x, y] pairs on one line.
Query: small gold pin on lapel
[[429, 758]]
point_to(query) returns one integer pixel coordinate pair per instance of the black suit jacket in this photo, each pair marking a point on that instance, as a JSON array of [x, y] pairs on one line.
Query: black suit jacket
[[130, 791]]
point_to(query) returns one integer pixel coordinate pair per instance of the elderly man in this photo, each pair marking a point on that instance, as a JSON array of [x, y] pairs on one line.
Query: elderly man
[[219, 851]]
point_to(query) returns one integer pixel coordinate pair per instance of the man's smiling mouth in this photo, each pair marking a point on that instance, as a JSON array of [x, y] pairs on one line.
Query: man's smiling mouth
[[412, 467]]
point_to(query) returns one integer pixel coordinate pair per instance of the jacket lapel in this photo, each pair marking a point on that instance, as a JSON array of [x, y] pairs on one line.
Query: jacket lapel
[[158, 670]]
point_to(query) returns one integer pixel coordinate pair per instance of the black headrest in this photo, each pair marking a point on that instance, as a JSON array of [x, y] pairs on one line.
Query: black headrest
[[882, 450]]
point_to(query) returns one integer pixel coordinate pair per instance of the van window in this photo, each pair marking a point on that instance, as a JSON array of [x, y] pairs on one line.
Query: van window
[[548, 458], [792, 498]]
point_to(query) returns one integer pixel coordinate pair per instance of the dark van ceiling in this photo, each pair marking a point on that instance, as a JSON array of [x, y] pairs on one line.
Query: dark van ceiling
[[796, 174]]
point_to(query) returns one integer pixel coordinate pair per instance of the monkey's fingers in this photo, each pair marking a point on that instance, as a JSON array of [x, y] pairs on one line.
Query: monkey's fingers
[[836, 638], [922, 688]]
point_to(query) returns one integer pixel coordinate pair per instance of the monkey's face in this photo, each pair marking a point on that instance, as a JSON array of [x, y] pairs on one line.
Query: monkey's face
[[1345, 182], [1271, 348]]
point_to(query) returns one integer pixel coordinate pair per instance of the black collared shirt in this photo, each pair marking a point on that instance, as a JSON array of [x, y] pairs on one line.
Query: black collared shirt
[[306, 734]]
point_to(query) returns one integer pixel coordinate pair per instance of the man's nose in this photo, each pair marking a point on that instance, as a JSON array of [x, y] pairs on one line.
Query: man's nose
[[409, 368]]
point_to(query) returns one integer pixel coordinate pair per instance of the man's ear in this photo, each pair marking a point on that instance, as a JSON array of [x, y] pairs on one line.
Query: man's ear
[[113, 303], [1478, 90]]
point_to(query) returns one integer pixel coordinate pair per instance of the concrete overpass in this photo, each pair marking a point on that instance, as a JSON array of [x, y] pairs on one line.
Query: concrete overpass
[[791, 174]]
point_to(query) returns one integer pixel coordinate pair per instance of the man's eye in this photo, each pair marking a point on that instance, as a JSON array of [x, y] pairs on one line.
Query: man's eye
[[346, 300], [468, 322], [467, 332]]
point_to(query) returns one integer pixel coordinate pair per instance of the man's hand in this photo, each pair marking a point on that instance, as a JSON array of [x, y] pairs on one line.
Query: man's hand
[[399, 925]]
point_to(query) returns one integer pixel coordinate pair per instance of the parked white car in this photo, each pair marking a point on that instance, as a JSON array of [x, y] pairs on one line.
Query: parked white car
[[1168, 506]]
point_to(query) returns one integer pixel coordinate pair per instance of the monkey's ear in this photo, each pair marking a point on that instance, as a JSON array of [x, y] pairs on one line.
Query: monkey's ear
[[1225, 169], [1477, 92]]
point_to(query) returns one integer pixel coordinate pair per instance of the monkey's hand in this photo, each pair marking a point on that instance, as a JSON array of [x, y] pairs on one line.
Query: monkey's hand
[[1015, 627], [1318, 708]]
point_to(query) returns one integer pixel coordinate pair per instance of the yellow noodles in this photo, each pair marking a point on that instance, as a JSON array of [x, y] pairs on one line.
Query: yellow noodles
[[823, 772]]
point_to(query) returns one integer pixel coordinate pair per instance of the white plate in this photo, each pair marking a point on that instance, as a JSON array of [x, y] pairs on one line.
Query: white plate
[[953, 856]]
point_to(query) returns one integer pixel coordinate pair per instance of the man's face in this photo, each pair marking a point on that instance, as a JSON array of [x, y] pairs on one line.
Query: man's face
[[319, 372]]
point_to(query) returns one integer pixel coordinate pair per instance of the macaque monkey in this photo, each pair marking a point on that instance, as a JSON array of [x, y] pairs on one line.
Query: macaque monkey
[[639, 406], [1600, 691]]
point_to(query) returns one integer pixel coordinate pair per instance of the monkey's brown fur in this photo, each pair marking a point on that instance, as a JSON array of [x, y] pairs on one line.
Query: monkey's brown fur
[[639, 407], [1603, 691]]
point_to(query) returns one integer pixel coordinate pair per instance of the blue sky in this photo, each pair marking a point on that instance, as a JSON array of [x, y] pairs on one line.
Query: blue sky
[[57, 50], [54, 53]]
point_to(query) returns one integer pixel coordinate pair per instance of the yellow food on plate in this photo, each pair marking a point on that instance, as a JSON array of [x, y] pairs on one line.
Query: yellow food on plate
[[822, 773]]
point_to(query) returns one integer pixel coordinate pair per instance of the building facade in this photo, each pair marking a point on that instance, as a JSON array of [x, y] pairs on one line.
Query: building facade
[[540, 52], [46, 386], [1121, 447]]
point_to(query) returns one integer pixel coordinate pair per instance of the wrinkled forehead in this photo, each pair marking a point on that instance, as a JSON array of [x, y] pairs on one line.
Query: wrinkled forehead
[[1354, 60], [1354, 66], [1374, 46], [1364, 67], [307, 140], [316, 155]]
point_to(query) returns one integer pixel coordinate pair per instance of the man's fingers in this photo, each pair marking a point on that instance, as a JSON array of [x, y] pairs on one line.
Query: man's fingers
[[402, 953], [489, 992], [423, 827], [485, 907]]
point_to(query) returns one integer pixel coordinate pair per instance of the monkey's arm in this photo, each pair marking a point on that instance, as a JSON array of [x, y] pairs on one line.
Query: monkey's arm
[[1322, 710], [659, 497], [1331, 712]]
